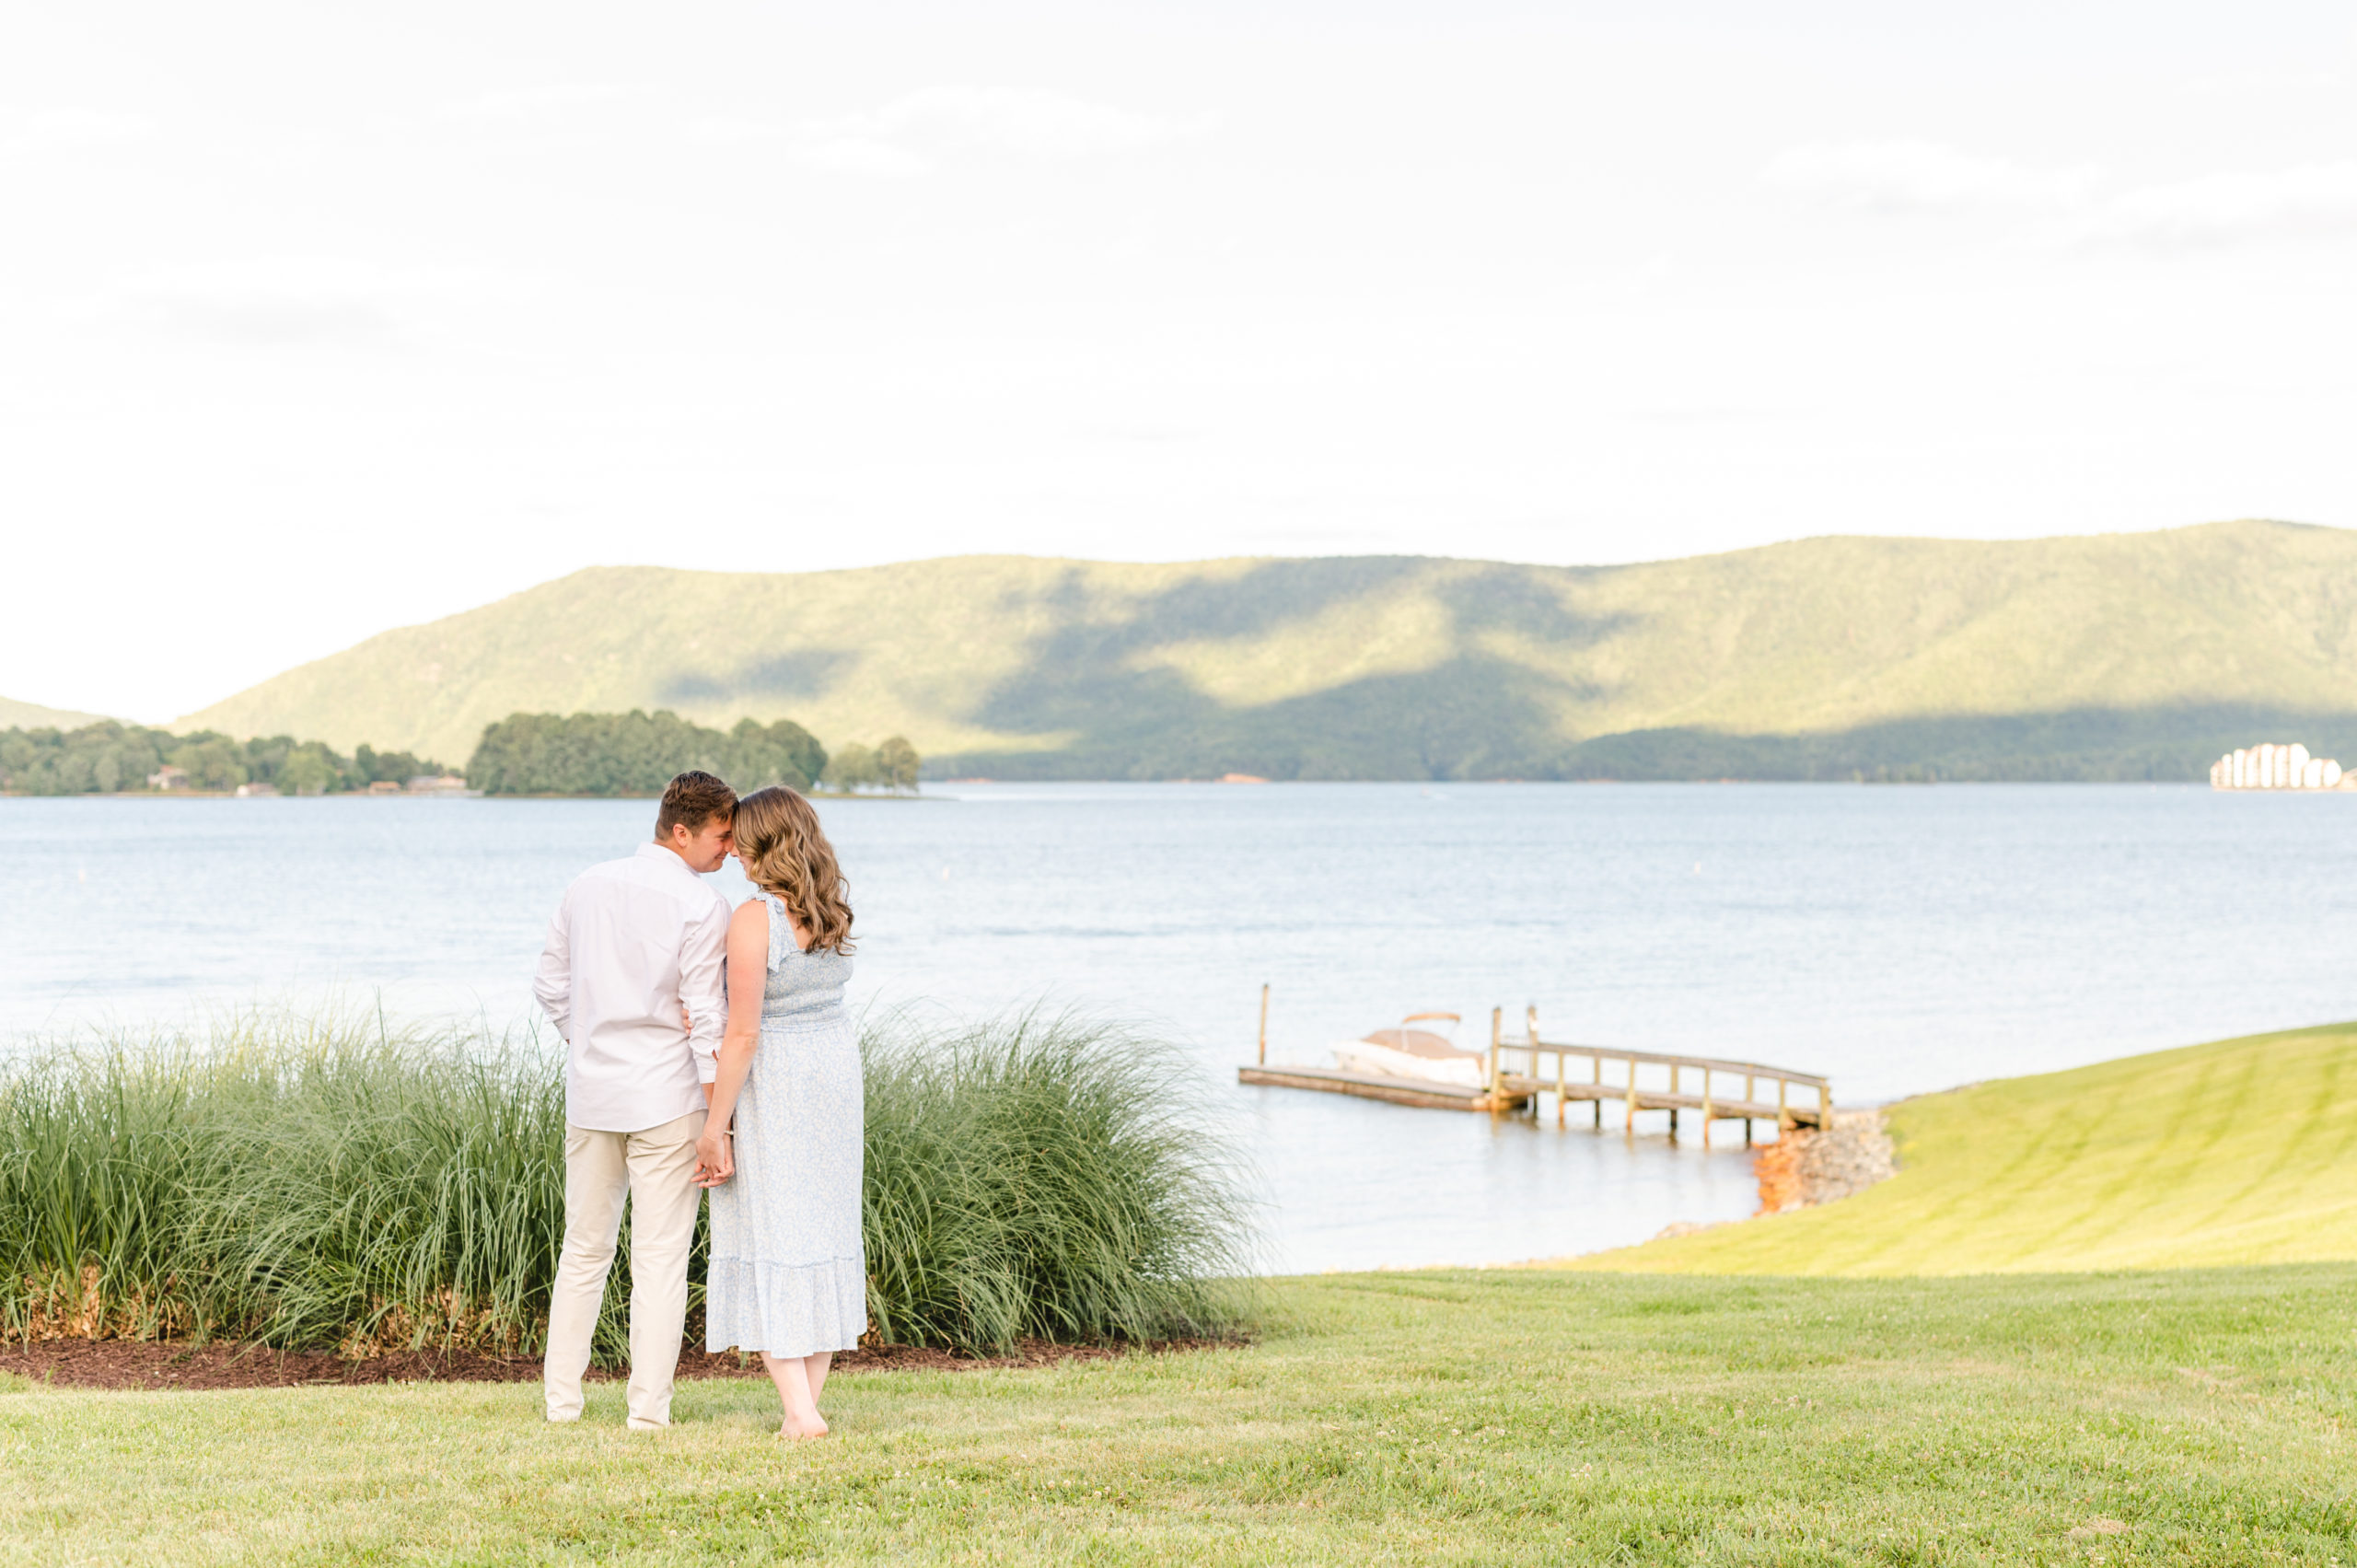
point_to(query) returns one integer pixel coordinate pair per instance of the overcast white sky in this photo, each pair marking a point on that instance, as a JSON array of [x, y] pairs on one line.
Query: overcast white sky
[[316, 320]]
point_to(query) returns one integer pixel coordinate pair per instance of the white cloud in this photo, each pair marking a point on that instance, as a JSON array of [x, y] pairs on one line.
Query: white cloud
[[2211, 209], [720, 130], [1023, 120], [76, 128], [2219, 208], [859, 155], [1899, 174], [910, 134], [520, 106], [817, 146], [273, 301]]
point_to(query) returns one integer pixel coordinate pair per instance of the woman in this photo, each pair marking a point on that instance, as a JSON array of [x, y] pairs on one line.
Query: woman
[[789, 1276]]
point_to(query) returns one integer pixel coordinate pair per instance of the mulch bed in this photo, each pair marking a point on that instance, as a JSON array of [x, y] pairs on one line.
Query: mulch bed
[[151, 1363]]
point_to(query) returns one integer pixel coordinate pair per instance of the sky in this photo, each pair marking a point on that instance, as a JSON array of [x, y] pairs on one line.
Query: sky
[[317, 320]]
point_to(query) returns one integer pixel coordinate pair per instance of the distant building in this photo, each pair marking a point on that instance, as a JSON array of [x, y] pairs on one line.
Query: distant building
[[167, 777], [246, 791], [437, 784], [2272, 766], [384, 787]]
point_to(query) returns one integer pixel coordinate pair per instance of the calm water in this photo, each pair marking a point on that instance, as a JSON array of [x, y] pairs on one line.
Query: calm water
[[1899, 939]]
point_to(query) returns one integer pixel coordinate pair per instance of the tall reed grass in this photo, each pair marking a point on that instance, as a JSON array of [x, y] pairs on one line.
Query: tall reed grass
[[1045, 1176], [335, 1183]]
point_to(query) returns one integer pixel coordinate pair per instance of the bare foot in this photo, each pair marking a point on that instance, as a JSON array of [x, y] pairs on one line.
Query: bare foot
[[815, 1427]]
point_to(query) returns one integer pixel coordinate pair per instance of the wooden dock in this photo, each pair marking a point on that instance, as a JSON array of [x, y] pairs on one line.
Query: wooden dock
[[1518, 1076], [1397, 1091]]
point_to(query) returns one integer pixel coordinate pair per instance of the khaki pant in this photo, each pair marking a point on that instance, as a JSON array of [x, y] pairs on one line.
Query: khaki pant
[[657, 1168]]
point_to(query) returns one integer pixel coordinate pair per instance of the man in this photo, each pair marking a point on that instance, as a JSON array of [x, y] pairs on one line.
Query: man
[[637, 946]]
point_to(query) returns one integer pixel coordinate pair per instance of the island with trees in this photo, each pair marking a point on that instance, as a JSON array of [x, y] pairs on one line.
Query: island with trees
[[636, 753]]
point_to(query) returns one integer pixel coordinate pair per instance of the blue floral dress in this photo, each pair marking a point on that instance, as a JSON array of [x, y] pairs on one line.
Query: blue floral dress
[[789, 1273]]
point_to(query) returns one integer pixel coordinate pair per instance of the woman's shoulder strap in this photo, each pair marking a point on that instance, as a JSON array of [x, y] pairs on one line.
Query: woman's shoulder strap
[[781, 928]]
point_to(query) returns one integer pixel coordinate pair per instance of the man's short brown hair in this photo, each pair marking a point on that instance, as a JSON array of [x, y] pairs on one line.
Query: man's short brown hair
[[695, 798]]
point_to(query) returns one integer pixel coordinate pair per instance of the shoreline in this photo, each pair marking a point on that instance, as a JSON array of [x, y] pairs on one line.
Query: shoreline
[[445, 795], [2189, 785]]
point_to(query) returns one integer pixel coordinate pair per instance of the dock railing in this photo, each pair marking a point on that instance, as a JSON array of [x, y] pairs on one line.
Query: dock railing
[[1519, 1067]]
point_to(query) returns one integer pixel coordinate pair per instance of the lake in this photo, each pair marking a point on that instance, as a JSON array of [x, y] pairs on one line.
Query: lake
[[1898, 938]]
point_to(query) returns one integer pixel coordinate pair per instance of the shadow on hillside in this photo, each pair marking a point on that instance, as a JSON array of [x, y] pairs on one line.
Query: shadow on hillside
[[1471, 713], [1479, 719], [798, 676]]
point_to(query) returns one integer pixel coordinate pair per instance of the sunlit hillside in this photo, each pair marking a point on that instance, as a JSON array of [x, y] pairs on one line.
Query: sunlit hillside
[[2242, 1151], [32, 715], [2119, 656]]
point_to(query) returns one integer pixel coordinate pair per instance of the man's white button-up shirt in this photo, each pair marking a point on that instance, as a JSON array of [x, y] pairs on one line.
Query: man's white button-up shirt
[[634, 941]]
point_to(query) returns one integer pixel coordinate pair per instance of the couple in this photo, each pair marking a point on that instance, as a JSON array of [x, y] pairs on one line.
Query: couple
[[677, 1015]]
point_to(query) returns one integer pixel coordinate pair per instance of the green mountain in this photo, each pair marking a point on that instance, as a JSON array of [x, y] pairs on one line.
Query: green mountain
[[2121, 656], [32, 715]]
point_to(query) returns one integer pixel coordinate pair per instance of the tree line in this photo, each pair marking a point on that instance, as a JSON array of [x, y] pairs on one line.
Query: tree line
[[604, 754], [101, 758], [636, 753]]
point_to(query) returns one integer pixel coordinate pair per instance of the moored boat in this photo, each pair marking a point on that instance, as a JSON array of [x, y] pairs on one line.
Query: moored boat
[[1410, 1053]]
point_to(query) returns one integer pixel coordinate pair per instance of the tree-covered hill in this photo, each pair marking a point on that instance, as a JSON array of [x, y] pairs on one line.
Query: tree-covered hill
[[2120, 656]]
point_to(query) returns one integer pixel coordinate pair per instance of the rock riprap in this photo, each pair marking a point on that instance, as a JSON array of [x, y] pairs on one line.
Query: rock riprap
[[1806, 1167]]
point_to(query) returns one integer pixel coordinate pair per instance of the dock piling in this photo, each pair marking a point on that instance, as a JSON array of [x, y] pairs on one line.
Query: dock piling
[[1497, 1036]]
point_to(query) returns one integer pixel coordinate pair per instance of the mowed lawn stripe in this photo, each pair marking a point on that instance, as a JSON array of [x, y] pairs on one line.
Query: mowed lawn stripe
[[1511, 1417], [2239, 1152]]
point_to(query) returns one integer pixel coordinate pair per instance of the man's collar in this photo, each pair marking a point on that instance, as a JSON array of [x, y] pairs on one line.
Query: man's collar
[[662, 852]]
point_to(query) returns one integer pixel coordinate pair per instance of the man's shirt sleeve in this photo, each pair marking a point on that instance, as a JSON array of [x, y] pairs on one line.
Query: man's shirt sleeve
[[552, 981], [703, 965]]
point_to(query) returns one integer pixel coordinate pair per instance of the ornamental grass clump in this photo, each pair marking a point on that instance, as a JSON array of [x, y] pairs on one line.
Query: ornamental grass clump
[[96, 1159], [314, 1182], [1046, 1177], [335, 1183]]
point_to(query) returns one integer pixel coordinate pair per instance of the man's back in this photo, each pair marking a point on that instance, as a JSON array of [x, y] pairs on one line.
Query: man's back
[[634, 942]]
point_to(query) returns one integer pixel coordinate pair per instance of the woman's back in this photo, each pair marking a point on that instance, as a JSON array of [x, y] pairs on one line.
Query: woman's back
[[788, 1271], [802, 988]]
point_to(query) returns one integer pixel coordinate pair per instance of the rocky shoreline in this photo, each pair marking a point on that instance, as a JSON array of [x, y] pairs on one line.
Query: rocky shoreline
[[1806, 1167]]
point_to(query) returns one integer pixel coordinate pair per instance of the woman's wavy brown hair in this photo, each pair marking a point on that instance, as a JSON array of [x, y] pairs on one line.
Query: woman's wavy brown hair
[[784, 851]]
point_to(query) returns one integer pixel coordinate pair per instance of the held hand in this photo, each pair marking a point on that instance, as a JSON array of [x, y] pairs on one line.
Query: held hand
[[715, 1156]]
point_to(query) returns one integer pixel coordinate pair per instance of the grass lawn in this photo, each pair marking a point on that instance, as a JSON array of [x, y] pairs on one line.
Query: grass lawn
[[1505, 1416], [2243, 1151], [1673, 1403]]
